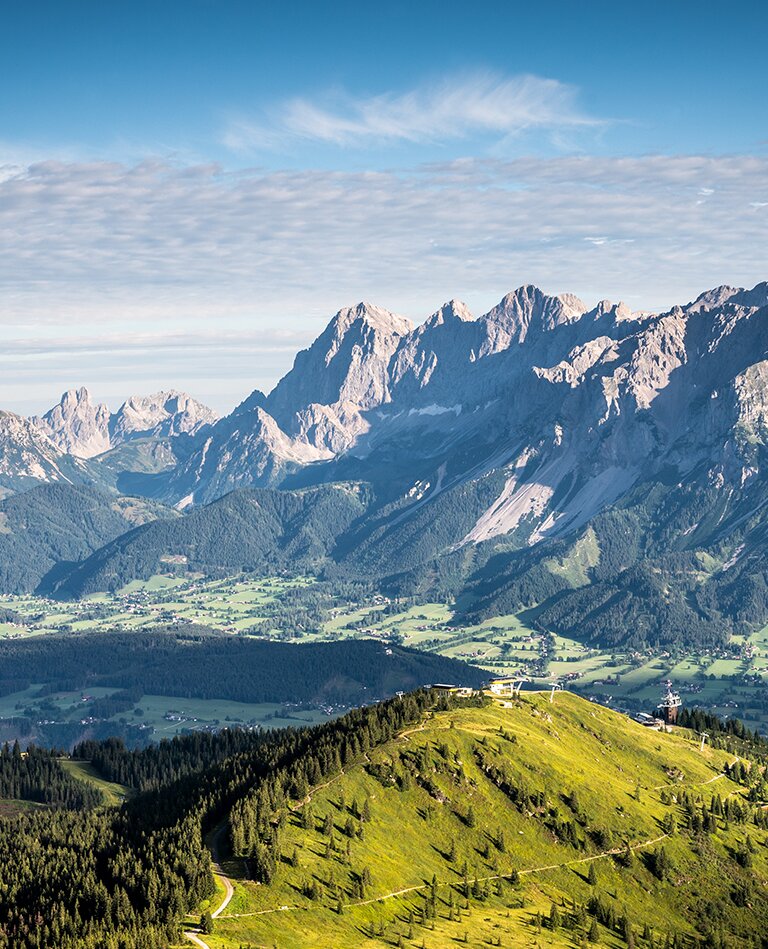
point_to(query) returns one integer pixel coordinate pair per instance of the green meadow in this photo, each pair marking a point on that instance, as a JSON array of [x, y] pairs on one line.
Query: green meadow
[[420, 845]]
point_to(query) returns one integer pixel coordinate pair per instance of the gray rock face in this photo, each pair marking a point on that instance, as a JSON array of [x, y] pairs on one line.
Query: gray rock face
[[540, 386], [347, 364], [28, 457], [85, 429], [571, 406], [160, 415], [76, 425]]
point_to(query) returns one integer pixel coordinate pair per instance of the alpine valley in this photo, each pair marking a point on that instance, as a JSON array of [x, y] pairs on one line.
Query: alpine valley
[[558, 493], [603, 468]]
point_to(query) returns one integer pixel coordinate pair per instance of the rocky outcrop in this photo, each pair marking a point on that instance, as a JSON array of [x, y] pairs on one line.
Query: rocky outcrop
[[160, 415], [77, 425], [86, 429], [28, 457]]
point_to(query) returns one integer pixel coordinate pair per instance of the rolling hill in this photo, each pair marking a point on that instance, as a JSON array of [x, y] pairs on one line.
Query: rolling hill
[[422, 821], [471, 826]]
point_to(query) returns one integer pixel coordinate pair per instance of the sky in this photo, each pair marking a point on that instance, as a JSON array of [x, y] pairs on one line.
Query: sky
[[190, 189]]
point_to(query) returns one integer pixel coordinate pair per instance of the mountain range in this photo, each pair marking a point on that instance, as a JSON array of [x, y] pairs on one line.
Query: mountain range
[[603, 466]]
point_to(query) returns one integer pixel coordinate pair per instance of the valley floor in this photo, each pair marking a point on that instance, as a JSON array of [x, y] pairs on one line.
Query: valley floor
[[729, 682]]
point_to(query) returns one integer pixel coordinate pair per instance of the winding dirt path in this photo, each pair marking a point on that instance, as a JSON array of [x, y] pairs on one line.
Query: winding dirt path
[[229, 890], [613, 852], [403, 736]]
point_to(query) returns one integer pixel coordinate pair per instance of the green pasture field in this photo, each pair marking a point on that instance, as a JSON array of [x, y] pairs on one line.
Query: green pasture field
[[194, 714], [84, 771], [503, 645]]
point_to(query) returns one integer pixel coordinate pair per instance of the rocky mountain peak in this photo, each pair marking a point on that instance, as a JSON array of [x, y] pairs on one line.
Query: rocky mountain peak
[[161, 414], [756, 297], [348, 362], [28, 456], [82, 428], [77, 425], [528, 311], [450, 312], [368, 315], [710, 299]]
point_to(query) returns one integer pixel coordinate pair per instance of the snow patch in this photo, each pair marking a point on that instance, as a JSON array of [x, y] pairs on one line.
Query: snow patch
[[436, 410]]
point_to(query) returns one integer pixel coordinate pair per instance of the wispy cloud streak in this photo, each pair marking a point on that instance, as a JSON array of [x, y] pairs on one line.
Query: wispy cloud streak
[[444, 111]]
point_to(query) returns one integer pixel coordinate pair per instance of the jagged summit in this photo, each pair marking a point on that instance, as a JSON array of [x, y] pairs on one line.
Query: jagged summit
[[527, 309], [167, 413], [610, 464], [621, 391], [372, 377], [453, 310], [28, 456], [368, 314], [77, 425], [348, 362], [84, 429]]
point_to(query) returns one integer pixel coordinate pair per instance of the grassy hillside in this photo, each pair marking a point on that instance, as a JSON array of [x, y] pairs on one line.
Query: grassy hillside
[[84, 771], [470, 827]]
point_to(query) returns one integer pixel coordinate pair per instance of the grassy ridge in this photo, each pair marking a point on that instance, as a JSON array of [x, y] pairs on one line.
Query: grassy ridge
[[588, 782], [84, 771]]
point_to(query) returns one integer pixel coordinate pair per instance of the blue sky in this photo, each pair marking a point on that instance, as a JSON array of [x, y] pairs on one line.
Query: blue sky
[[188, 190]]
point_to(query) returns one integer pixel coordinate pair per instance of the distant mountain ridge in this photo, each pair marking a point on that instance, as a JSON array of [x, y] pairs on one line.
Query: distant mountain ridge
[[86, 429], [598, 378], [604, 466]]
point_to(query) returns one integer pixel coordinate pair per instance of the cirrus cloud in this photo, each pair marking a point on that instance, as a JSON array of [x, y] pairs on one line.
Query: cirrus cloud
[[448, 110]]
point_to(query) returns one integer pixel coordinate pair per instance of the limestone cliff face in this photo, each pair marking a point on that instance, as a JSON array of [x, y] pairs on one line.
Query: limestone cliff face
[[28, 457], [348, 362], [540, 383], [572, 406], [85, 429], [160, 415], [77, 425]]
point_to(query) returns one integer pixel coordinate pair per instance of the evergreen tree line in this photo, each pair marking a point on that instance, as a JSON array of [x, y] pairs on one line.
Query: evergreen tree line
[[122, 878], [171, 759], [193, 663], [37, 776]]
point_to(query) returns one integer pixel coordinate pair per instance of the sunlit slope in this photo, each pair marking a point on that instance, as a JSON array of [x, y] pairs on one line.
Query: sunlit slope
[[479, 819]]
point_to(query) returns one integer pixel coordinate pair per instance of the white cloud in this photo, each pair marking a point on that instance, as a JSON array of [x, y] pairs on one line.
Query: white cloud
[[444, 111]]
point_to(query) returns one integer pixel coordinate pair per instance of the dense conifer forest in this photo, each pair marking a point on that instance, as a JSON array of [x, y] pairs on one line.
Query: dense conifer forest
[[197, 664], [36, 775]]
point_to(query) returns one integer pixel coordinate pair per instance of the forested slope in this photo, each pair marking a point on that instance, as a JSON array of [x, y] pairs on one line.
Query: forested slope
[[421, 819], [203, 665], [246, 530], [53, 525]]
